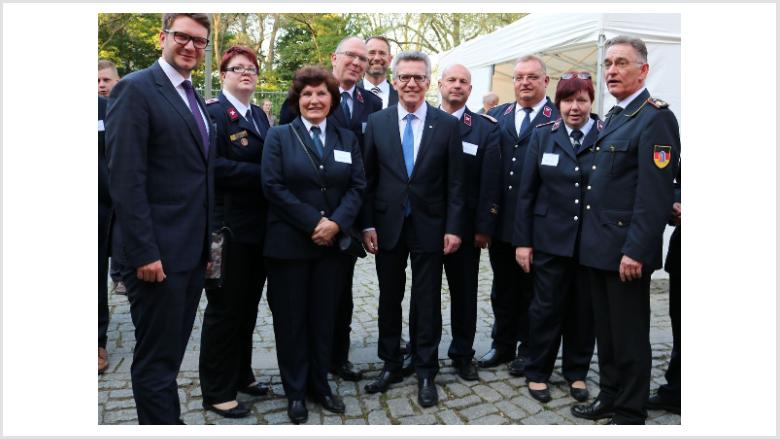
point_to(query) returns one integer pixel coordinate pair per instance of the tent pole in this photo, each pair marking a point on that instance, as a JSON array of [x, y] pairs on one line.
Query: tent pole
[[600, 73]]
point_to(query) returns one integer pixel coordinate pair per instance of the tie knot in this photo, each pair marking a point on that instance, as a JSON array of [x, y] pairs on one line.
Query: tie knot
[[410, 117], [345, 95], [616, 109], [375, 90], [249, 113], [528, 110], [576, 135], [186, 84], [315, 130]]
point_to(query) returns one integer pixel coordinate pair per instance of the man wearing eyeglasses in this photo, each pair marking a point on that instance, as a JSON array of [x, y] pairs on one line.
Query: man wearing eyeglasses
[[160, 148], [627, 203], [379, 59], [412, 209], [512, 287]]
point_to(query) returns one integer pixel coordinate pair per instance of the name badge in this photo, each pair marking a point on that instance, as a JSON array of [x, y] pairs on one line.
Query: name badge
[[364, 127], [342, 156], [470, 148], [549, 159], [101, 127]]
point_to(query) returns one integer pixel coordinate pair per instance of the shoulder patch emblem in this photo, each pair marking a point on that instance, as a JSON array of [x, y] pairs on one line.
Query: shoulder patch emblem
[[232, 113], [489, 117], [467, 119], [657, 103], [547, 111], [212, 101], [662, 155]]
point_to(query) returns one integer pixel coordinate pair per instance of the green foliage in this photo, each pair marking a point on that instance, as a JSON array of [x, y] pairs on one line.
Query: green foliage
[[307, 39], [131, 41]]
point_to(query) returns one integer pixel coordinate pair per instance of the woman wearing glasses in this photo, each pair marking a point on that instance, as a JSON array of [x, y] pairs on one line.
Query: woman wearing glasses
[[229, 319], [547, 232], [312, 176]]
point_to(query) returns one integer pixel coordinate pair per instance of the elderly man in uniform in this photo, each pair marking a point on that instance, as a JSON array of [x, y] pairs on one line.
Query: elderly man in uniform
[[626, 209], [513, 288], [481, 178]]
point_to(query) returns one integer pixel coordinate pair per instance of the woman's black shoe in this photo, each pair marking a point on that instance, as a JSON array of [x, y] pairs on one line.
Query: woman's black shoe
[[239, 411], [542, 395], [296, 410]]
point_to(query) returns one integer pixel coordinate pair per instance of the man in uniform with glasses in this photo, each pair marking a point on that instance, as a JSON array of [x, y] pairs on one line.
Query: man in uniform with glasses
[[160, 148]]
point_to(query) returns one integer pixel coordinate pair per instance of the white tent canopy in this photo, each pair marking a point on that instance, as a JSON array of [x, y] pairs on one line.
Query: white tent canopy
[[571, 42]]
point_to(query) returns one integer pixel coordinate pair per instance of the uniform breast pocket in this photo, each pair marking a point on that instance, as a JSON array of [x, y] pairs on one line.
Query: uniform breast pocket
[[620, 156]]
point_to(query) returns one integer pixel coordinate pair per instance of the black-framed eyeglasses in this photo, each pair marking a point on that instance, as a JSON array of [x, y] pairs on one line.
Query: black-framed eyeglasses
[[354, 56], [183, 39], [406, 78], [242, 69], [580, 75]]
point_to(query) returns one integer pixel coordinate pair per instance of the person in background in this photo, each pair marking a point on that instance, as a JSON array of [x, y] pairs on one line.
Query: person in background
[[375, 79], [489, 101], [104, 218], [267, 109]]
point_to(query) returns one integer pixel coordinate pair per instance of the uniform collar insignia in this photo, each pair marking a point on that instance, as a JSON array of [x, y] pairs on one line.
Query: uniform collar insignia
[[508, 109], [232, 113], [467, 119], [547, 111]]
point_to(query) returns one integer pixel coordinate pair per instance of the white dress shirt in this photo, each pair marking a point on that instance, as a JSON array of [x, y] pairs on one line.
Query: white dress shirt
[[520, 114], [384, 90], [176, 79]]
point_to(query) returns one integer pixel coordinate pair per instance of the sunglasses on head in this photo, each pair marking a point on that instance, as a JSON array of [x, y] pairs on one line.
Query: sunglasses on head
[[581, 75]]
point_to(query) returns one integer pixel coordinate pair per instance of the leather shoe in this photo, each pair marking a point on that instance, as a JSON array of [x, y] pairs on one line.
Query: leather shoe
[[466, 369], [593, 411], [383, 381], [347, 372], [427, 394], [257, 389], [517, 367], [332, 403], [296, 411], [102, 360], [542, 395], [659, 402], [408, 367], [239, 411], [493, 358], [580, 395]]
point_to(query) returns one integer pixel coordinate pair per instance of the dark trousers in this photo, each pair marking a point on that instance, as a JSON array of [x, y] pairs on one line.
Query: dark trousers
[[462, 269], [302, 295], [116, 270], [621, 312], [425, 307], [229, 324], [102, 286], [671, 390], [560, 309], [163, 314], [342, 328], [510, 298]]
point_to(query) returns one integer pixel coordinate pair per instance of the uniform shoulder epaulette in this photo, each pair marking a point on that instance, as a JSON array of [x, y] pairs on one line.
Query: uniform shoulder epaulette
[[549, 122], [212, 101], [657, 103], [489, 117]]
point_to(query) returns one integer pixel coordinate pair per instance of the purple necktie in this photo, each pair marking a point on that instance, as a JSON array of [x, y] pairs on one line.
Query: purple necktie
[[195, 109]]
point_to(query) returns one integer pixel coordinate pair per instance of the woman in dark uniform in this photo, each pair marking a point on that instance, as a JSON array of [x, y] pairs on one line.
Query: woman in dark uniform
[[312, 176], [229, 320], [547, 233]]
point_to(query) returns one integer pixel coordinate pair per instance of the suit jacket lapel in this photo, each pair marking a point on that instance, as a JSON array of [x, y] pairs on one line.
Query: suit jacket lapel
[[509, 122], [261, 120], [627, 113], [590, 139], [305, 136], [564, 142], [174, 99]]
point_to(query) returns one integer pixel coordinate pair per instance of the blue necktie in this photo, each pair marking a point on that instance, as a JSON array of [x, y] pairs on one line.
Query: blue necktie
[[315, 137], [195, 110], [576, 135], [407, 143], [345, 97], [526, 122]]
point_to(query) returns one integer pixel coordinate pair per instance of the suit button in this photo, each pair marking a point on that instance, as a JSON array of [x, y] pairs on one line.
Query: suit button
[[514, 159], [322, 213], [620, 223], [598, 148], [587, 206], [594, 167], [576, 168], [511, 172], [588, 187], [321, 167], [576, 185], [576, 218], [510, 187], [576, 201]]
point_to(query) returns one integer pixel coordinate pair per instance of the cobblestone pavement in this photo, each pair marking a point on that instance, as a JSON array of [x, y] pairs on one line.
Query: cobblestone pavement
[[497, 398]]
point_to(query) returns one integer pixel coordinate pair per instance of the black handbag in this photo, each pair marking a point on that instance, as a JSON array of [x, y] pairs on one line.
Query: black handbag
[[348, 242]]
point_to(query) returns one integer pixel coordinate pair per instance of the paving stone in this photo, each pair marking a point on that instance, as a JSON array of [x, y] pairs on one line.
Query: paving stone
[[486, 393], [270, 405], [356, 421], [122, 393], [511, 411], [331, 420], [378, 417], [544, 418], [194, 418], [504, 389], [490, 420], [458, 390], [116, 416], [399, 407], [119, 404], [278, 418], [529, 405], [249, 420], [463, 402], [449, 417], [477, 411], [426, 419]]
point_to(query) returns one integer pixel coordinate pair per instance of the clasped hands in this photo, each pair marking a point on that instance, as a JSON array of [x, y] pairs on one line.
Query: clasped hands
[[325, 232]]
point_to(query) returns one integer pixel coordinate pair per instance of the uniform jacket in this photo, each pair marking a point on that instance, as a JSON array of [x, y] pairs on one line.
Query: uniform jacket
[[554, 180], [363, 104], [513, 149], [239, 201], [632, 187], [481, 173], [161, 179], [435, 188], [296, 197]]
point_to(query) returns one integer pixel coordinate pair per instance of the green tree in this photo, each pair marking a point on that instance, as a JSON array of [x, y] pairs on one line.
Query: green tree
[[307, 39], [131, 41]]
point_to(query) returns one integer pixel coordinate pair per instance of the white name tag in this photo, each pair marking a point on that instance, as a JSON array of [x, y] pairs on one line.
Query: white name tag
[[342, 156], [550, 159], [364, 127], [101, 127], [470, 148]]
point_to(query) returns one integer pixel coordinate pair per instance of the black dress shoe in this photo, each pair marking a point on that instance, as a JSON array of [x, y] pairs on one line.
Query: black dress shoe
[[542, 395], [239, 411], [332, 403], [517, 367], [466, 369], [408, 367], [593, 411], [659, 402], [296, 410], [383, 381], [493, 358], [580, 395], [427, 394], [258, 389], [347, 372]]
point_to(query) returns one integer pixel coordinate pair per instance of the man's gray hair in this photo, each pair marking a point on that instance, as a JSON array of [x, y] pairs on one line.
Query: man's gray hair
[[490, 97], [340, 46], [412, 55], [536, 58], [639, 46]]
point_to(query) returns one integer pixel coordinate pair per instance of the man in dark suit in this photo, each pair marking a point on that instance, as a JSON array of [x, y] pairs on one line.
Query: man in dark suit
[[513, 288], [481, 173], [379, 59], [413, 207], [159, 139], [627, 203], [104, 216]]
